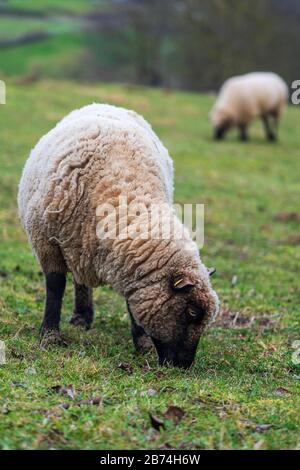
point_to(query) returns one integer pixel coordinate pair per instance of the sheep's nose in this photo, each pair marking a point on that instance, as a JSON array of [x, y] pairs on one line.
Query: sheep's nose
[[182, 363], [218, 134], [174, 354]]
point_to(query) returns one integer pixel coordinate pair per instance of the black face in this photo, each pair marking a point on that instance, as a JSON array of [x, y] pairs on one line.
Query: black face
[[220, 132], [174, 354], [176, 321], [181, 351]]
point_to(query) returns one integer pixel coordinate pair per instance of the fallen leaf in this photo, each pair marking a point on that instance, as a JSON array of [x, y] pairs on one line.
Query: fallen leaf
[[126, 367], [146, 366], [160, 374], [288, 217], [4, 410], [174, 413], [259, 445], [293, 239], [65, 406], [150, 393], [156, 423], [51, 438], [165, 446], [241, 319], [64, 390], [281, 391], [263, 427], [30, 370], [89, 401], [17, 354], [17, 383]]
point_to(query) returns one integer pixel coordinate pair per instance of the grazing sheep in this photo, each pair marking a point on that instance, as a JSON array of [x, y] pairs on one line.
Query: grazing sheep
[[247, 97], [93, 157]]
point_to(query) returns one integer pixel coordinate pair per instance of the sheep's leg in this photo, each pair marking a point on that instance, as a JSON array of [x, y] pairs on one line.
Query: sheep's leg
[[269, 132], [83, 312], [55, 288], [243, 132], [275, 116], [141, 341]]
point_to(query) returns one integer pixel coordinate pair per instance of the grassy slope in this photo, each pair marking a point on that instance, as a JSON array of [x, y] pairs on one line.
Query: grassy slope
[[72, 6], [52, 56], [232, 387], [47, 57]]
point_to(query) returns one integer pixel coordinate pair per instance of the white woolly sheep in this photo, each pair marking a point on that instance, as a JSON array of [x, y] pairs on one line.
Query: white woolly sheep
[[90, 159], [247, 97]]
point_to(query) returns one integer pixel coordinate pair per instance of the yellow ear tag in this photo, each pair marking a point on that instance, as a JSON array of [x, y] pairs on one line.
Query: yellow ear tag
[[178, 282]]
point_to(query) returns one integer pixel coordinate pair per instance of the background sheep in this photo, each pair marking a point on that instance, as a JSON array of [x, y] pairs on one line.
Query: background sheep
[[91, 158], [247, 97]]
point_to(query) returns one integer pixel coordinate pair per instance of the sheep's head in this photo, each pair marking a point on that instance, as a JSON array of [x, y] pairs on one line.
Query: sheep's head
[[221, 121], [175, 309]]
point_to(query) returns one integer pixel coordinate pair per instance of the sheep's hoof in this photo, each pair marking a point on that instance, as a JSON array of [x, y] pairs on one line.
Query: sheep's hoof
[[51, 338], [143, 344], [79, 320]]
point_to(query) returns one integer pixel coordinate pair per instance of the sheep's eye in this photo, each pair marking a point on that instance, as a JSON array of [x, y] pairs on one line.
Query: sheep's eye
[[195, 313]]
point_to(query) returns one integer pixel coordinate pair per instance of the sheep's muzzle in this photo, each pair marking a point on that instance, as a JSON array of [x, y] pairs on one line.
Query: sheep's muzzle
[[219, 132], [175, 354]]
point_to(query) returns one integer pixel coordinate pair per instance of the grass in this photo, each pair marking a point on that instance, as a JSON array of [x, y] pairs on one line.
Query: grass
[[47, 57], [53, 56], [14, 27], [45, 6], [65, 52], [243, 376]]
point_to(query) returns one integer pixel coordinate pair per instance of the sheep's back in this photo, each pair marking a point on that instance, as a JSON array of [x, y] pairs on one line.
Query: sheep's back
[[92, 157], [85, 138], [251, 95]]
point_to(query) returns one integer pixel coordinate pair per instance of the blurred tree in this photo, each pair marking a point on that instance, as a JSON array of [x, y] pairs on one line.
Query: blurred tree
[[226, 37], [143, 29], [194, 44]]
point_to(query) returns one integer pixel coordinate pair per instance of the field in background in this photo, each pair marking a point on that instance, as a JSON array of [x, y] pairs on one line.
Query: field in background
[[243, 391], [61, 27], [179, 44], [72, 6]]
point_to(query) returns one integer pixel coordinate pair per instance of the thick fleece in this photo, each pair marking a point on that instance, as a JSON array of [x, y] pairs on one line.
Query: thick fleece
[[92, 157], [247, 97]]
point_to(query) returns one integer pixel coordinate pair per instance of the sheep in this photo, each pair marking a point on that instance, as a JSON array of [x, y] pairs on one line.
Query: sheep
[[92, 158], [247, 97]]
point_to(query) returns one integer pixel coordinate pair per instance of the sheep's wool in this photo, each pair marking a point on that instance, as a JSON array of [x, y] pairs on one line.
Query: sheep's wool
[[246, 97], [93, 156]]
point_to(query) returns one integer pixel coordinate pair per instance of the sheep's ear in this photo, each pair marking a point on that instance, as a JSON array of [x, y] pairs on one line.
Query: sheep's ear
[[181, 282], [211, 271]]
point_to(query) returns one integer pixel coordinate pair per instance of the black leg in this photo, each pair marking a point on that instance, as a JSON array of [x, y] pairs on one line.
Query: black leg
[[269, 133], [243, 132], [142, 342], [83, 310], [275, 119], [55, 288]]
